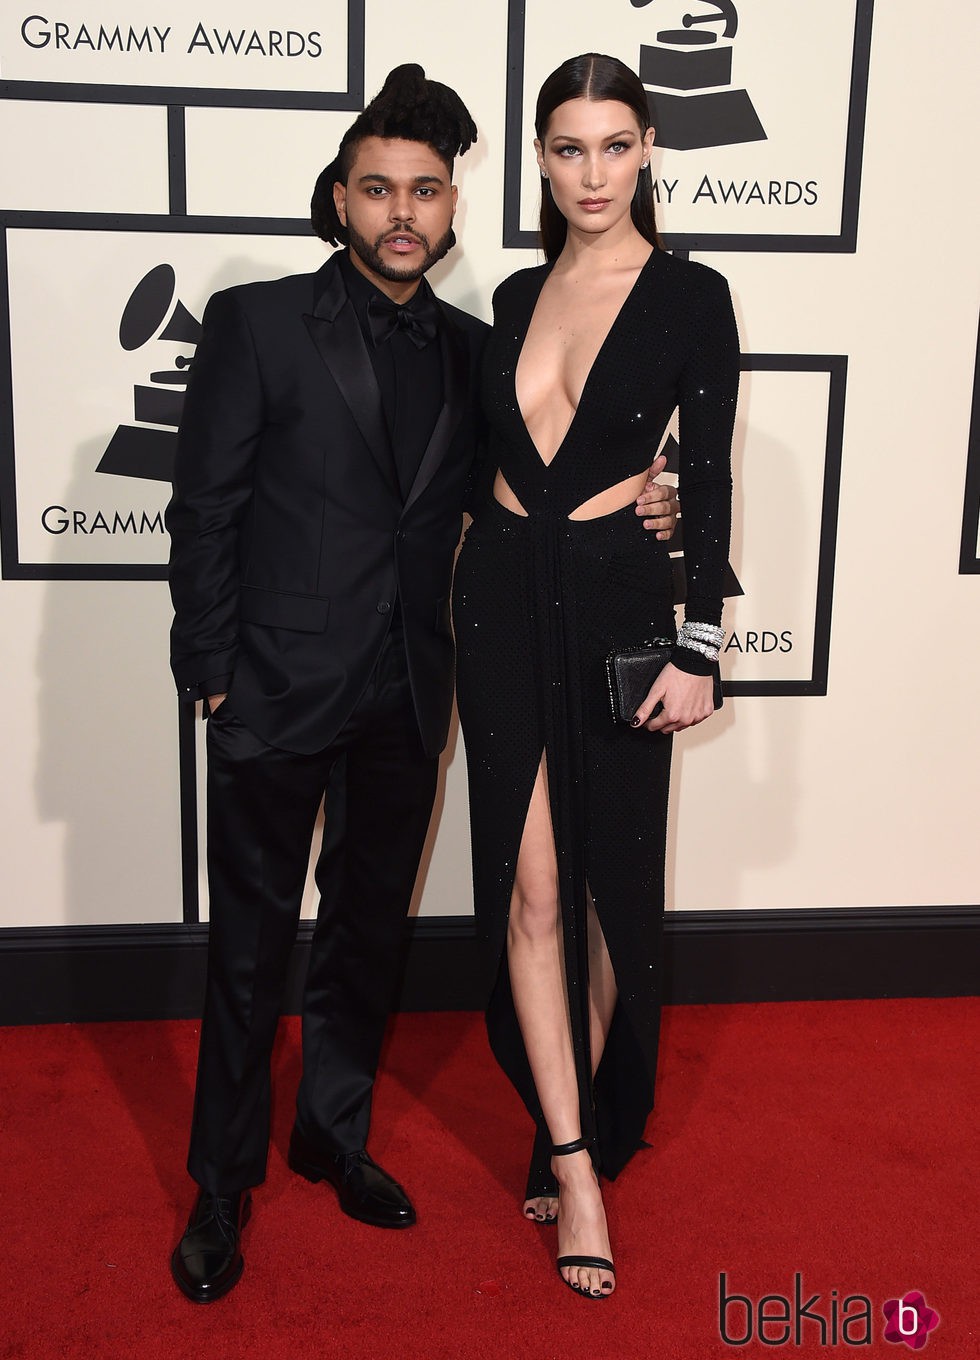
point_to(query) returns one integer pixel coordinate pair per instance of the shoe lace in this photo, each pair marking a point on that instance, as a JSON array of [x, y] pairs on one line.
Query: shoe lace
[[220, 1209]]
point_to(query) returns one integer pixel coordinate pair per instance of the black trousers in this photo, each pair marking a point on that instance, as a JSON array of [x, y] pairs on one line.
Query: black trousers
[[261, 806]]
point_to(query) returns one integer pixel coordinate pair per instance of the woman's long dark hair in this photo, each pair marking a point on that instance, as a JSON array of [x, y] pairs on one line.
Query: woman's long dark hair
[[593, 76]]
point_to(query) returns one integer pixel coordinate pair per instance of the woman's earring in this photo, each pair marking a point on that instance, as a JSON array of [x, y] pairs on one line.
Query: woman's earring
[[644, 165], [544, 174]]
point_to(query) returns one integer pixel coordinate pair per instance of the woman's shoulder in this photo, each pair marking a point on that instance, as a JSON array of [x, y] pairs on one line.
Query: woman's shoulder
[[691, 276], [519, 284]]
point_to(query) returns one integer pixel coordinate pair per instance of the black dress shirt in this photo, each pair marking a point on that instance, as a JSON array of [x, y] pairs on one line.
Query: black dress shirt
[[409, 376]]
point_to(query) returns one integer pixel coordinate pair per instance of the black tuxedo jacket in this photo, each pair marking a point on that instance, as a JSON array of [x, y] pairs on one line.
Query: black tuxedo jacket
[[289, 537]]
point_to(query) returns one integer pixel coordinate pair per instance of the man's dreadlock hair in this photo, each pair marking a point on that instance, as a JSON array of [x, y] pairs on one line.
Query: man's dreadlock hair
[[409, 107]]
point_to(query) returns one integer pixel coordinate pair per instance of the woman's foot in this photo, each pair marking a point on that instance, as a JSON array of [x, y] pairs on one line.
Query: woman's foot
[[582, 1231], [542, 1209], [541, 1192]]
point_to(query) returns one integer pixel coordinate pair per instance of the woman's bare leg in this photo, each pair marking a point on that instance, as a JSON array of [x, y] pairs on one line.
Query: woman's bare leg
[[602, 1003], [537, 982]]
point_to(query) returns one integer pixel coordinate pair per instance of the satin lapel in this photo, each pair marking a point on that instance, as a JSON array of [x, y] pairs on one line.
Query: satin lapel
[[334, 330], [455, 382]]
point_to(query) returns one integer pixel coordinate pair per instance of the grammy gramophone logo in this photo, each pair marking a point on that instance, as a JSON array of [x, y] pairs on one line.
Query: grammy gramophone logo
[[694, 103], [146, 448]]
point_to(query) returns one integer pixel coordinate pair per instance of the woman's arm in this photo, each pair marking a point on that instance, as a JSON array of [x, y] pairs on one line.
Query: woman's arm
[[707, 395]]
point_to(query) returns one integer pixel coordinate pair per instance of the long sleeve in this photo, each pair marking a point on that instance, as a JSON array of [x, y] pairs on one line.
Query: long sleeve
[[219, 436], [707, 394]]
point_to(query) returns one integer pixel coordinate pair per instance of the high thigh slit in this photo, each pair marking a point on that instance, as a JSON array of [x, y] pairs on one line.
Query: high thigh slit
[[539, 601]]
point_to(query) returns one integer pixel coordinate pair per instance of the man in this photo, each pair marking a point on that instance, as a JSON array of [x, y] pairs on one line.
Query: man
[[326, 442]]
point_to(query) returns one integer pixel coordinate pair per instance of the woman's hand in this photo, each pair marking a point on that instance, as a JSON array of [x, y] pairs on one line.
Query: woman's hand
[[686, 699]]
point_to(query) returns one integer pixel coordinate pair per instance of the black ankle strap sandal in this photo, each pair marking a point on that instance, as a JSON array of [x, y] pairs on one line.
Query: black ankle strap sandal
[[589, 1262], [566, 1149]]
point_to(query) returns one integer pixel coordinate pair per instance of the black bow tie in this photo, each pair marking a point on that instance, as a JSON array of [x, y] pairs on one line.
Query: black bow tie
[[419, 319]]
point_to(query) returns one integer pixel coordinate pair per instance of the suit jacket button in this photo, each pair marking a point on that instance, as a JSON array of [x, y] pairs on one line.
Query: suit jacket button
[[384, 607]]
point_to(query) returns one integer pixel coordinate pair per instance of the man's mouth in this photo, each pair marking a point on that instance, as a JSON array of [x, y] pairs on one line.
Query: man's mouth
[[402, 242]]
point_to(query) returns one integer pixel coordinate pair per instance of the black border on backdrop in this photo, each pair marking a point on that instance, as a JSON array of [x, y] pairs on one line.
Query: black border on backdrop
[[211, 96], [515, 237], [835, 366], [57, 974], [969, 550]]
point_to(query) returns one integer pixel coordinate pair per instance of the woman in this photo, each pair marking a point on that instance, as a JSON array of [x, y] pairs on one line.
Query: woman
[[589, 356]]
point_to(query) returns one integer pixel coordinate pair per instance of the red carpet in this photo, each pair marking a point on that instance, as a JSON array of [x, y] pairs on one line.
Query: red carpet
[[834, 1140]]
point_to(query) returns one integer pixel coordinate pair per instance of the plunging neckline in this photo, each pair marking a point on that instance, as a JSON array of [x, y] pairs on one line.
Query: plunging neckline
[[592, 367]]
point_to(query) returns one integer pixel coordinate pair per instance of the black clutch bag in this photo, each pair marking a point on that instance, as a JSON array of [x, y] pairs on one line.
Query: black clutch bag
[[631, 672]]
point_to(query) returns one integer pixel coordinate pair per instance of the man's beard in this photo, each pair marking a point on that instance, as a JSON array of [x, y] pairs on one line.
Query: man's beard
[[371, 254]]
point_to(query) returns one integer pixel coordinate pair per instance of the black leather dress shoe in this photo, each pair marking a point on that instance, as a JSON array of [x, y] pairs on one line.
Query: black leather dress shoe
[[207, 1261], [366, 1192]]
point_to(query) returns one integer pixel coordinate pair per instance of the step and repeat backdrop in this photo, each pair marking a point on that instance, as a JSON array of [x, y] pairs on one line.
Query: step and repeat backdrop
[[818, 155]]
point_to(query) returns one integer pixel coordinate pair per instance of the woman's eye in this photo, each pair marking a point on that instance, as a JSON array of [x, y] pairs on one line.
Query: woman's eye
[[568, 151], [618, 147]]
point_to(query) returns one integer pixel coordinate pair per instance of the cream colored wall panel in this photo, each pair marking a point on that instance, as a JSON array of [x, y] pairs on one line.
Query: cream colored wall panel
[[33, 838], [229, 44], [844, 805], [83, 157], [90, 810], [258, 162]]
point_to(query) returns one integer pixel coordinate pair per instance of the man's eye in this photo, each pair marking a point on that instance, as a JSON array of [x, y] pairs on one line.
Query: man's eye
[[376, 191], [425, 193]]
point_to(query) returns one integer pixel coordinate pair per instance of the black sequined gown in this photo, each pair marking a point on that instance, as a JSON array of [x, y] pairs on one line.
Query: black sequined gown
[[538, 603]]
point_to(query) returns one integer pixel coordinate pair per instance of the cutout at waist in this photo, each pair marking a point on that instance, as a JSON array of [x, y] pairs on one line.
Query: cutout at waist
[[613, 500], [503, 495]]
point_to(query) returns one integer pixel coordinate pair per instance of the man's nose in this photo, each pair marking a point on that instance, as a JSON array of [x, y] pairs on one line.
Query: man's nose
[[402, 207]]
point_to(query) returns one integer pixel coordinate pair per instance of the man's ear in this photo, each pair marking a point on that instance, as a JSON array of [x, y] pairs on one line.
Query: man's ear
[[340, 201]]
